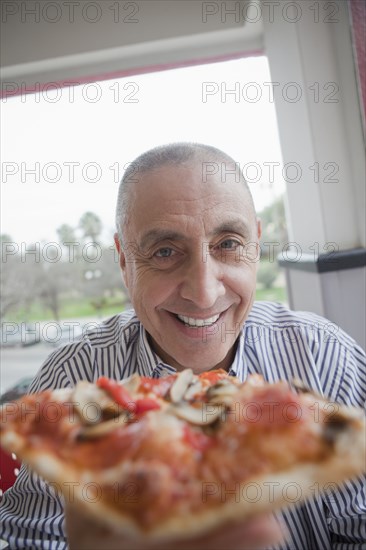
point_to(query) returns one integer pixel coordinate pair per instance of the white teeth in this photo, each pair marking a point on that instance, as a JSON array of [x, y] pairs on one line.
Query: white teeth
[[191, 322]]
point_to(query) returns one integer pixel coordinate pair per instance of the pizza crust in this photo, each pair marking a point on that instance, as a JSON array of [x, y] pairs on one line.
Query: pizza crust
[[253, 497]]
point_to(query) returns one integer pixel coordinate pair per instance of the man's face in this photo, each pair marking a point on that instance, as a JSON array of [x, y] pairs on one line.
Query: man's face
[[189, 263]]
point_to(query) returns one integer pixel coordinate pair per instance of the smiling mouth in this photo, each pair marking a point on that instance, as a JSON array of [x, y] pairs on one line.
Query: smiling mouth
[[196, 323]]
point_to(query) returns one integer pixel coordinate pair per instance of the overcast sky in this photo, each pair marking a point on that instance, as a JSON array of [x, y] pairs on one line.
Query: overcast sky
[[77, 140]]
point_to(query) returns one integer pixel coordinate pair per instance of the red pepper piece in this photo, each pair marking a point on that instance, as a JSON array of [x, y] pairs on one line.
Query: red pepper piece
[[122, 397], [118, 393], [213, 376], [146, 404]]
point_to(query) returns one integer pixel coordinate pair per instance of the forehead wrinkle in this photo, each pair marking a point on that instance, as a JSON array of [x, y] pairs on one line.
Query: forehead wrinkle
[[231, 225], [187, 207], [155, 235], [211, 211], [239, 222]]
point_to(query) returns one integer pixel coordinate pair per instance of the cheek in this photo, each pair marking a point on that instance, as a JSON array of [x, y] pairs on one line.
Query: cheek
[[148, 288], [242, 279]]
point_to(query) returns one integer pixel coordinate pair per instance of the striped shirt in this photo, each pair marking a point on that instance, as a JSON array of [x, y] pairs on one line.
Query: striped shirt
[[275, 342]]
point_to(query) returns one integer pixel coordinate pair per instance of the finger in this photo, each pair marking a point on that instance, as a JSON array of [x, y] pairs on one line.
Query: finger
[[250, 535], [85, 532]]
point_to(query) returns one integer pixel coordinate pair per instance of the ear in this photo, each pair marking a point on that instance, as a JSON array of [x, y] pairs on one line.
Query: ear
[[259, 228], [122, 257]]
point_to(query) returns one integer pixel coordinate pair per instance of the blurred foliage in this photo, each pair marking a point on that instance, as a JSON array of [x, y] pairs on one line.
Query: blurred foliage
[[267, 274], [274, 230], [274, 239], [40, 278], [91, 227], [274, 294]]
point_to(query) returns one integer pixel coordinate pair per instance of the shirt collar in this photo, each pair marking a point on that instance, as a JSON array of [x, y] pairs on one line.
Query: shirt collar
[[239, 366], [151, 364], [149, 361]]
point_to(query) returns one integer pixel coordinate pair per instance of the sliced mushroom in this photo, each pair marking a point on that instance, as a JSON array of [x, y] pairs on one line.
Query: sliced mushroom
[[221, 388], [193, 389], [132, 383], [62, 394], [90, 401], [226, 400], [255, 380], [222, 393], [299, 386], [335, 427], [203, 415], [180, 385], [103, 428]]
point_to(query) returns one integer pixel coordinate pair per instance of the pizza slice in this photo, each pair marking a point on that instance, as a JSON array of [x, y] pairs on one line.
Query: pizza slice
[[180, 455]]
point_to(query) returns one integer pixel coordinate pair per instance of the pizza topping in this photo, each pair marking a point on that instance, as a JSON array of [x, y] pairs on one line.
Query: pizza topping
[[201, 415], [180, 385], [158, 386], [122, 397], [132, 383], [254, 380], [222, 392], [144, 405], [337, 422], [86, 394], [103, 428], [60, 395], [213, 376], [118, 392], [194, 389]]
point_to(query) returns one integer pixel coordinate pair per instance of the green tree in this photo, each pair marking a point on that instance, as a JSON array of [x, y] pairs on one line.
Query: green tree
[[274, 228], [18, 277], [66, 234], [91, 227], [53, 283], [274, 239], [5, 238]]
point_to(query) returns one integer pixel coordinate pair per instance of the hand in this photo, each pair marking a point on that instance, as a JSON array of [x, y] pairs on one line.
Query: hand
[[86, 533]]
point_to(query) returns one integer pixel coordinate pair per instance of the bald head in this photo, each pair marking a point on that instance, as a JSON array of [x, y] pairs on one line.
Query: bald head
[[213, 162]]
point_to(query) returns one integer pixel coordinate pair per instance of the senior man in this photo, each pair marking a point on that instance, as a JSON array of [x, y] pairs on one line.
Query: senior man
[[188, 244]]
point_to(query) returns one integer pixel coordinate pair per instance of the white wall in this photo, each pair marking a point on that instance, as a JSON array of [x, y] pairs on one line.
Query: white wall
[[47, 41], [321, 132], [323, 129]]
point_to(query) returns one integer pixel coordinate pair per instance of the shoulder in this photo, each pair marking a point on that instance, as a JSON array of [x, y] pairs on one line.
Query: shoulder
[[98, 345], [273, 316], [112, 331], [285, 344], [275, 312]]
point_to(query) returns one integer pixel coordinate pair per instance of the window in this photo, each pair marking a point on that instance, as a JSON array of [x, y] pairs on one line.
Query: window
[[64, 153]]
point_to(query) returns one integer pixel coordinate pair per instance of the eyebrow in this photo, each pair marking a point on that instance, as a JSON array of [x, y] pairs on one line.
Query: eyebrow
[[238, 226], [157, 235]]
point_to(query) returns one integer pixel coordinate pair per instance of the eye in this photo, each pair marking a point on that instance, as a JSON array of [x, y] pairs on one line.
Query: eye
[[165, 252], [229, 244]]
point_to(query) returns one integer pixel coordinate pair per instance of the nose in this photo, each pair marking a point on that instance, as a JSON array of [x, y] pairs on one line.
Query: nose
[[202, 282]]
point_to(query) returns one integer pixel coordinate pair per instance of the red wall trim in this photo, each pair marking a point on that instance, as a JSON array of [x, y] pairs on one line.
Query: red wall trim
[[358, 20]]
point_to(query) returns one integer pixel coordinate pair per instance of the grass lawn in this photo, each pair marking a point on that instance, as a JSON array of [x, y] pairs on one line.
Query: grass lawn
[[70, 309]]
